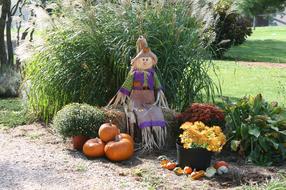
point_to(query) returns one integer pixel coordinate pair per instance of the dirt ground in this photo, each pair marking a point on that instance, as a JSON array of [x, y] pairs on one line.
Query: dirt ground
[[33, 157], [263, 64]]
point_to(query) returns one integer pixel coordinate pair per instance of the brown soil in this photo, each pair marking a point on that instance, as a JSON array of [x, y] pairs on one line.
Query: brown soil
[[263, 64], [34, 157]]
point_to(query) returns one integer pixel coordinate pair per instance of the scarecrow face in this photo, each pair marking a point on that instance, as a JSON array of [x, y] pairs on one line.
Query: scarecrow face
[[144, 63]]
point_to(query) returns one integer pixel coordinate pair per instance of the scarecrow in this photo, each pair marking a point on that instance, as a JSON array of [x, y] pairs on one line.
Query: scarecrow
[[142, 98]]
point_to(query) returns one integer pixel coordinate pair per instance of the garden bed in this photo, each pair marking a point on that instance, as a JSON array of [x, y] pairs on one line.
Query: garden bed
[[33, 156]]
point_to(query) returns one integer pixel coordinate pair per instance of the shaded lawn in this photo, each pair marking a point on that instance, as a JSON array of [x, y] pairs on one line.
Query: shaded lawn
[[238, 81], [266, 44], [12, 112]]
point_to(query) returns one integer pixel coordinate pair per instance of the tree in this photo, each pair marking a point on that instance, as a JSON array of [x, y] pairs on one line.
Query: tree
[[9, 76], [256, 7], [6, 46]]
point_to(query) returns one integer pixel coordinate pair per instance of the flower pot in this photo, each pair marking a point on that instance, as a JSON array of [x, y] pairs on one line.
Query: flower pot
[[78, 142], [196, 158]]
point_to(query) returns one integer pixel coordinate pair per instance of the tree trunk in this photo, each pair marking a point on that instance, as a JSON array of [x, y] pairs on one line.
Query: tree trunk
[[8, 36], [3, 53], [254, 22]]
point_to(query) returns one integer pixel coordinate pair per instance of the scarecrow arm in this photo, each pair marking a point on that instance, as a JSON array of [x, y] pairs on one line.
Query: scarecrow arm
[[158, 85], [123, 93], [161, 100], [127, 85]]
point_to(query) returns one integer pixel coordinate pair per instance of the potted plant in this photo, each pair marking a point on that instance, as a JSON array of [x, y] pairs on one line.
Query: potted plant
[[79, 122], [196, 144]]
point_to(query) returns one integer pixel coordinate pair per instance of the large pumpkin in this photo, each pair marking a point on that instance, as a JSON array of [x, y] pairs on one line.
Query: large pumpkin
[[94, 148], [108, 131], [122, 148]]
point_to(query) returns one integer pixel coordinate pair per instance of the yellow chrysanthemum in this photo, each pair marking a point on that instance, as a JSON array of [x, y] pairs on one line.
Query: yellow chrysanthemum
[[212, 138]]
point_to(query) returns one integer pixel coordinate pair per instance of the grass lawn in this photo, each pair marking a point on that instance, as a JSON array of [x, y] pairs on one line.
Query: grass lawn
[[238, 81], [274, 184], [12, 113], [266, 44]]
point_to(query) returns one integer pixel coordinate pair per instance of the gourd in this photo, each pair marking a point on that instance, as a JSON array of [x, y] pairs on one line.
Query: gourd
[[197, 174], [178, 171]]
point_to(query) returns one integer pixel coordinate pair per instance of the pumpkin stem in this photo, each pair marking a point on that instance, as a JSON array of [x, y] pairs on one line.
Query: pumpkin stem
[[110, 122], [117, 138]]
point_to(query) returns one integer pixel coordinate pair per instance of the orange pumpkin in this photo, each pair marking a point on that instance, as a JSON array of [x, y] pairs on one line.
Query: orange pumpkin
[[94, 148], [124, 135], [122, 148], [171, 165], [108, 131], [164, 163], [187, 170]]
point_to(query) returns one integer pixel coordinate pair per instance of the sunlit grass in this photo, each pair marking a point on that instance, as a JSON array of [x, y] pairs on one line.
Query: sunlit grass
[[266, 44], [238, 81]]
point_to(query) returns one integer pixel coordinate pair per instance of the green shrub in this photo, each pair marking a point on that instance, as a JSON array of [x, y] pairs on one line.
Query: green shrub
[[257, 129], [87, 55], [231, 28], [223, 27], [78, 119]]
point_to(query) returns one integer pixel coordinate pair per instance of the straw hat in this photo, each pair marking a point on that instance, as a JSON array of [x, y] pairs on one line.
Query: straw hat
[[144, 51]]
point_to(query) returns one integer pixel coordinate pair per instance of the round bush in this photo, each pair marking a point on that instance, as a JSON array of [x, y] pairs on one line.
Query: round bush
[[78, 119]]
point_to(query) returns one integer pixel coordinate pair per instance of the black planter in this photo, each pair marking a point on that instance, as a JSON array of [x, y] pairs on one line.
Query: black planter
[[196, 158]]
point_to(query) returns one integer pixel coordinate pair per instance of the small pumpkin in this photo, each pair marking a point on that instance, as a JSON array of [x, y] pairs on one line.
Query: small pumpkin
[[220, 163], [124, 135], [178, 171], [94, 148], [187, 170], [171, 165], [108, 131], [122, 148]]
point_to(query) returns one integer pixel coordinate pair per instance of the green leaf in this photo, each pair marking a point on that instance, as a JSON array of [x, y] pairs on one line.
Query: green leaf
[[257, 104], [282, 132], [234, 145], [276, 110], [276, 145], [244, 131], [254, 131], [277, 130], [263, 144], [281, 124]]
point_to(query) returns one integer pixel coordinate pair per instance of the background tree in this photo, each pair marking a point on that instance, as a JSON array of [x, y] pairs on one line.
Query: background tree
[[9, 77], [253, 8], [256, 7], [6, 46]]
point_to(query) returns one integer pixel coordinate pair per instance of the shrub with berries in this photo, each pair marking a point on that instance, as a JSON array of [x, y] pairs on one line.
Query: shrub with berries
[[207, 113]]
